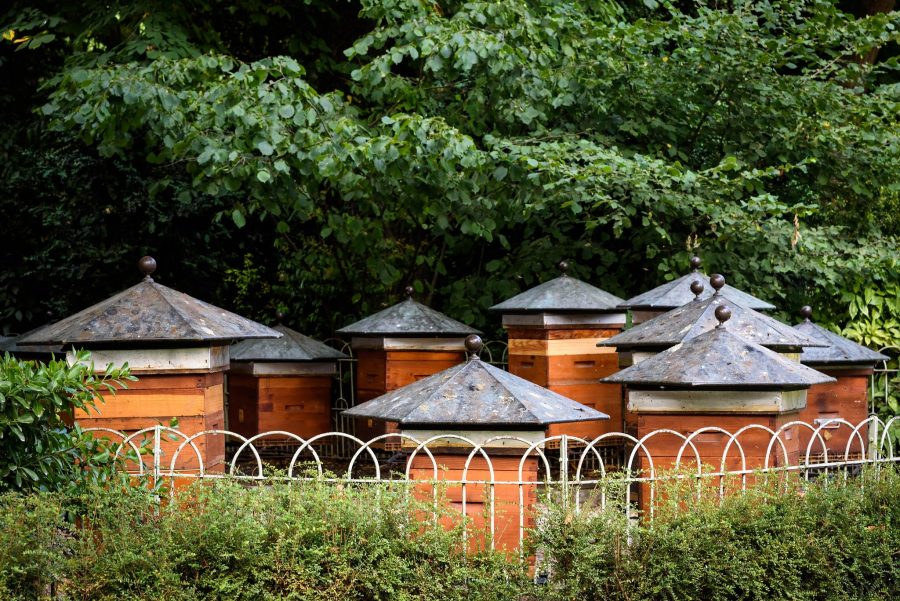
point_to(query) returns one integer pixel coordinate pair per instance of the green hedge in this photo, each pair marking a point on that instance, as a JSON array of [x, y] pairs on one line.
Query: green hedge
[[324, 541]]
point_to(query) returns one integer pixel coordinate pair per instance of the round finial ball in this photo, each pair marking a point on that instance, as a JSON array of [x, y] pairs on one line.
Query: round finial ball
[[409, 290], [695, 262], [717, 281], [474, 343], [723, 313], [805, 311], [697, 287], [564, 266], [279, 315], [147, 265]]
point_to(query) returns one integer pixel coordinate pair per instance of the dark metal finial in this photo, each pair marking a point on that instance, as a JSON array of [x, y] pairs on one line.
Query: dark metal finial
[[697, 288], [147, 265], [695, 263], [564, 267], [474, 345], [806, 312], [279, 315], [717, 281], [409, 290], [723, 314]]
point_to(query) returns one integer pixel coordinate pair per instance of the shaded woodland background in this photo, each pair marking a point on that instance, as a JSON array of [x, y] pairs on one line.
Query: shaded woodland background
[[317, 156]]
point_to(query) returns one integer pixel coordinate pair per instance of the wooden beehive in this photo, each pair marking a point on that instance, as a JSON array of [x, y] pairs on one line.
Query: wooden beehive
[[718, 379], [553, 331], [677, 293], [847, 398], [281, 384], [476, 403], [177, 347], [398, 346]]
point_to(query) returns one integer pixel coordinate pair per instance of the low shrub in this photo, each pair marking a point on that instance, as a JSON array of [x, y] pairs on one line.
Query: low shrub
[[320, 540]]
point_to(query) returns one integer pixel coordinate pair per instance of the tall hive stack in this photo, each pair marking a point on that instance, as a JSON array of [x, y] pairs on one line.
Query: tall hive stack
[[483, 404], [553, 331], [175, 344], [676, 293], [398, 346], [691, 320], [847, 398], [281, 384], [720, 379]]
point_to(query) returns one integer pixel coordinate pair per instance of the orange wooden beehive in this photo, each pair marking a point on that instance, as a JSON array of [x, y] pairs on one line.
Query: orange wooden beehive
[[718, 379], [553, 330], [281, 384], [475, 402], [398, 346], [176, 345], [847, 398]]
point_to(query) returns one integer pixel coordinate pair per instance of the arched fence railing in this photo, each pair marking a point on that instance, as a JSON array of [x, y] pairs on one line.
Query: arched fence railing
[[479, 474]]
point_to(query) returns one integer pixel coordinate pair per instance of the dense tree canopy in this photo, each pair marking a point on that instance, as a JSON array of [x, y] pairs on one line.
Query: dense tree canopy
[[318, 156]]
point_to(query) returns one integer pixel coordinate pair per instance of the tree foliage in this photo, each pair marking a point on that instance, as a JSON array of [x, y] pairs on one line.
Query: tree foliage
[[38, 449], [466, 147]]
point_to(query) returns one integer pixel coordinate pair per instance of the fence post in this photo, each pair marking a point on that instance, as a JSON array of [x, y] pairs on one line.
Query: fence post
[[157, 452]]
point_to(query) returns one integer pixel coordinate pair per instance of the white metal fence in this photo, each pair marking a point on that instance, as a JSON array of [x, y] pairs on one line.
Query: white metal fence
[[571, 466]]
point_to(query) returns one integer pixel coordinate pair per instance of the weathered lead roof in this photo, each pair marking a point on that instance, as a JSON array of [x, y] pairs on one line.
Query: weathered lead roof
[[474, 395], [678, 292], [698, 316], [12, 344], [563, 294], [719, 359], [840, 351], [408, 318], [150, 313], [292, 346]]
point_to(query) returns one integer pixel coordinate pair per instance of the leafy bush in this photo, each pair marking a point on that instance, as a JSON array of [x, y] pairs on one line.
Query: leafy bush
[[320, 540], [825, 542], [38, 450]]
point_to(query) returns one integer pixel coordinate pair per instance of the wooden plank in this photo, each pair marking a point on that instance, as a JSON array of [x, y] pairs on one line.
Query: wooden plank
[[176, 381], [371, 367], [560, 334], [164, 360], [590, 367], [533, 368], [403, 369], [717, 401], [578, 346], [562, 320], [410, 344], [148, 404]]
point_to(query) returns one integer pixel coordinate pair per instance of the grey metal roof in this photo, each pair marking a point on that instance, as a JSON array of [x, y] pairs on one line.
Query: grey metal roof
[[292, 346], [719, 359], [474, 395], [840, 351], [563, 294], [13, 345], [408, 318], [698, 316], [149, 312], [678, 292]]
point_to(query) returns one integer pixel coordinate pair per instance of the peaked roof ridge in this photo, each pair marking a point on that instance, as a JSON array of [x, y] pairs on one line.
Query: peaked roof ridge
[[562, 293], [676, 293], [697, 316], [292, 346], [719, 358], [408, 317], [838, 350], [164, 291]]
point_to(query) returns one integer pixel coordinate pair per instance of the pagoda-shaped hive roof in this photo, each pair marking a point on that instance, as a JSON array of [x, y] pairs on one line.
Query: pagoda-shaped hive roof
[[563, 294], [474, 394], [840, 350], [292, 346], [719, 359], [678, 292], [408, 318], [150, 313], [13, 344], [698, 316]]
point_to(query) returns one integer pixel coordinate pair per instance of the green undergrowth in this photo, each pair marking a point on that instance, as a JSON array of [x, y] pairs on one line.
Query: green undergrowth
[[319, 540]]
